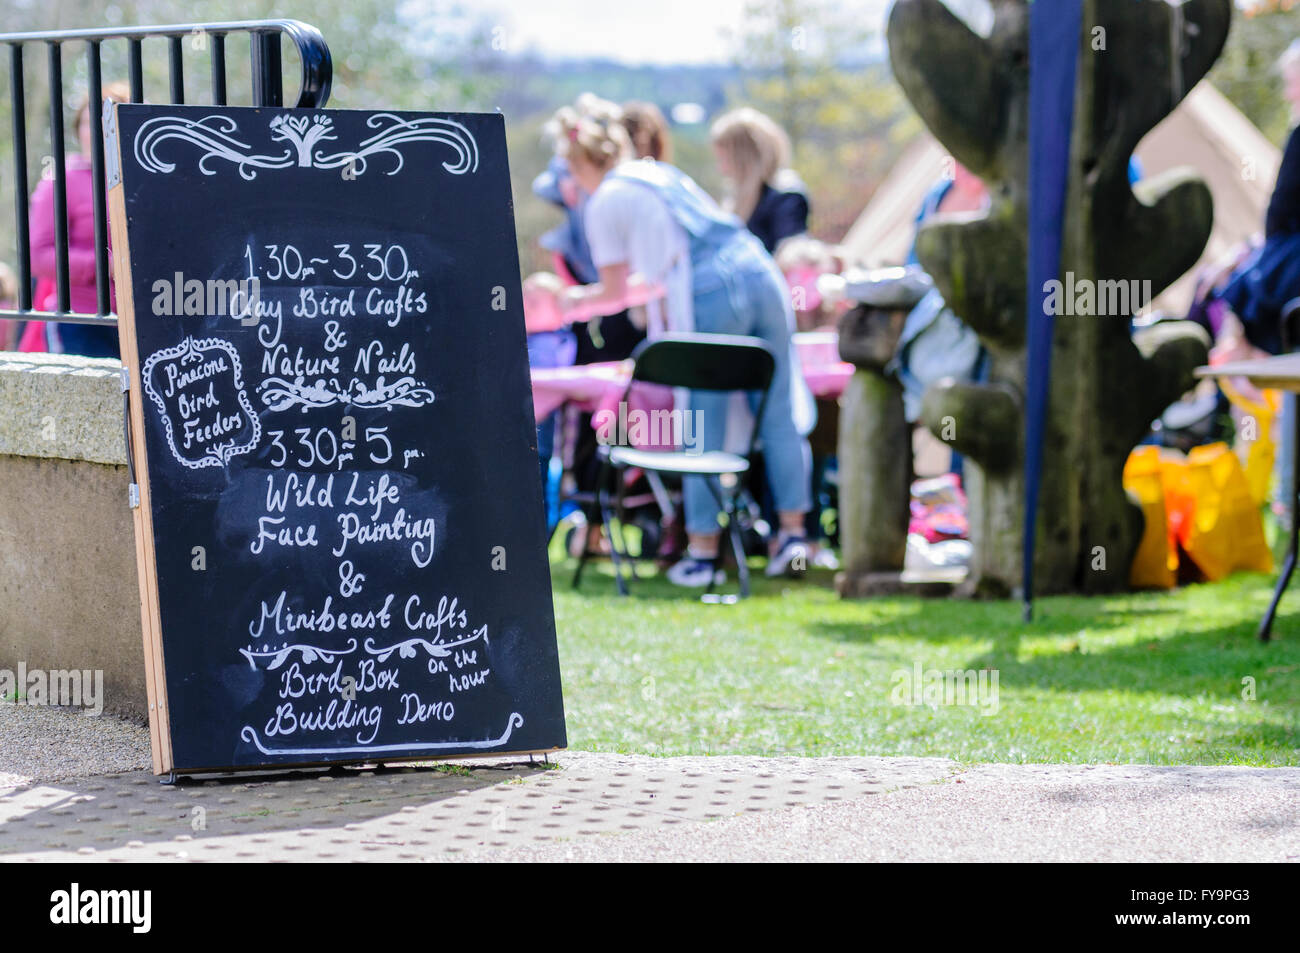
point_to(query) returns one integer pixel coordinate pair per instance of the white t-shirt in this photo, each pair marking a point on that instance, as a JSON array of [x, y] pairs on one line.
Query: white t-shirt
[[628, 223]]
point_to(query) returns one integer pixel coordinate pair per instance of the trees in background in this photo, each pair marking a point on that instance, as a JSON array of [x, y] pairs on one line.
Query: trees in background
[[820, 71], [1246, 72]]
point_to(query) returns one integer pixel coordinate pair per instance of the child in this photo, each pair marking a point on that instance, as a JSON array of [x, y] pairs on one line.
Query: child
[[542, 303], [803, 260], [550, 344]]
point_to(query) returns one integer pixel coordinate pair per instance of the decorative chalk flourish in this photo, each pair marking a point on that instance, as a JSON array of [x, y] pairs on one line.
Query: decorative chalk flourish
[[516, 720], [215, 136], [310, 653], [406, 649], [280, 394]]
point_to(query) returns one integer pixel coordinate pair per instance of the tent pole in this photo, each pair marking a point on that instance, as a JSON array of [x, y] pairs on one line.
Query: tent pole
[[1054, 37]]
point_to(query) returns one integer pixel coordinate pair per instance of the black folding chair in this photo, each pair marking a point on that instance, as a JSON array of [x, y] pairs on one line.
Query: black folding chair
[[709, 362]]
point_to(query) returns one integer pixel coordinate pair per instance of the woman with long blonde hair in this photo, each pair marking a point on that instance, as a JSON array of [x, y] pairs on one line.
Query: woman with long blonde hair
[[650, 225], [753, 155]]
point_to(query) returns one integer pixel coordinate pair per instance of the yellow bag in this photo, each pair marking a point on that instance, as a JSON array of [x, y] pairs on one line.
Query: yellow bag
[[1155, 565], [1224, 532], [1258, 438]]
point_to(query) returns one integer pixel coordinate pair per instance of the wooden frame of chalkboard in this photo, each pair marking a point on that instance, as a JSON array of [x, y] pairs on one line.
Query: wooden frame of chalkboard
[[337, 499], [142, 516]]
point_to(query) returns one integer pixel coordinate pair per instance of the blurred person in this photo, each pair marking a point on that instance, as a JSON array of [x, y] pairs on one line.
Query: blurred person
[[753, 155], [9, 330], [86, 340], [611, 337], [648, 130], [648, 223], [566, 242], [542, 313], [935, 343], [600, 338], [960, 191], [1269, 277], [35, 336], [550, 344], [803, 259]]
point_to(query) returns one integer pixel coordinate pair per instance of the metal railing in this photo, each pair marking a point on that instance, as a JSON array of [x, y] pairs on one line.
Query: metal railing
[[267, 84]]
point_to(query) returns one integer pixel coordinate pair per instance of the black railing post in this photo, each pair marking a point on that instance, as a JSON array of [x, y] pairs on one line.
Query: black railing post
[[20, 177], [95, 103], [136, 69], [60, 178], [268, 90], [176, 68], [219, 69], [267, 87]]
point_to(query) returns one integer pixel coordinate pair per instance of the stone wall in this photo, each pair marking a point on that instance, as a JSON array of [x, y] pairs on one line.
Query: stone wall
[[69, 597]]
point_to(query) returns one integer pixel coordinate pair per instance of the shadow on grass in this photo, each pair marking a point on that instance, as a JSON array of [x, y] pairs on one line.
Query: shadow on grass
[[946, 620], [1210, 662], [1260, 738], [1078, 644]]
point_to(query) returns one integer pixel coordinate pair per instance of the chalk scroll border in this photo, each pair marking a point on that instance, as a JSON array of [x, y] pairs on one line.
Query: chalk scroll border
[[280, 394], [226, 451], [216, 137], [249, 734], [437, 650], [309, 653]]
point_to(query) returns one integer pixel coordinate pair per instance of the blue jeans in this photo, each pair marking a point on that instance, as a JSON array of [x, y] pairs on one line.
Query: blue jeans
[[89, 340], [545, 449], [752, 299]]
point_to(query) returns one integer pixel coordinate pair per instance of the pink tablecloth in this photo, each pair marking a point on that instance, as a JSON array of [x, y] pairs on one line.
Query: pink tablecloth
[[592, 386], [583, 386]]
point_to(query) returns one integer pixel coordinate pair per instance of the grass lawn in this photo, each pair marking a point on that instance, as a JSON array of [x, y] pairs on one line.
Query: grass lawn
[[1147, 678]]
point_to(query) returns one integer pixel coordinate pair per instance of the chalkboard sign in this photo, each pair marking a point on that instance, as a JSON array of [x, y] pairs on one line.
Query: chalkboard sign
[[339, 520]]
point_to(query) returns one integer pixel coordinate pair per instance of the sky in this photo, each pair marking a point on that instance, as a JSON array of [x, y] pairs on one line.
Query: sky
[[661, 31], [640, 31]]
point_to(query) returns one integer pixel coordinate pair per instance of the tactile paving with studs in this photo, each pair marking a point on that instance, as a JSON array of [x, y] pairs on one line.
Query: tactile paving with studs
[[446, 811]]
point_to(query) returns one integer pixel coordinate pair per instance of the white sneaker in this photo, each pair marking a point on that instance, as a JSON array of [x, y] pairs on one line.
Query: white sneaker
[[825, 559], [694, 573], [574, 529], [790, 560]]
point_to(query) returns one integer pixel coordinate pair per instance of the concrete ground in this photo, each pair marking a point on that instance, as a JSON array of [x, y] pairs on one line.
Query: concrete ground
[[75, 788]]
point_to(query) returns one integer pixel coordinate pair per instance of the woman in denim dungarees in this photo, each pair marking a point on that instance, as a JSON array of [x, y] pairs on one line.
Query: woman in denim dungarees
[[736, 288]]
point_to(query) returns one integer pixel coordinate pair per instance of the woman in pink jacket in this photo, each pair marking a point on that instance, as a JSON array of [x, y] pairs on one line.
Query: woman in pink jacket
[[87, 340]]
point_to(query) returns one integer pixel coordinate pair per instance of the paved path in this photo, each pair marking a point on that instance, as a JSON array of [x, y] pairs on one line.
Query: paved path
[[597, 807]]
